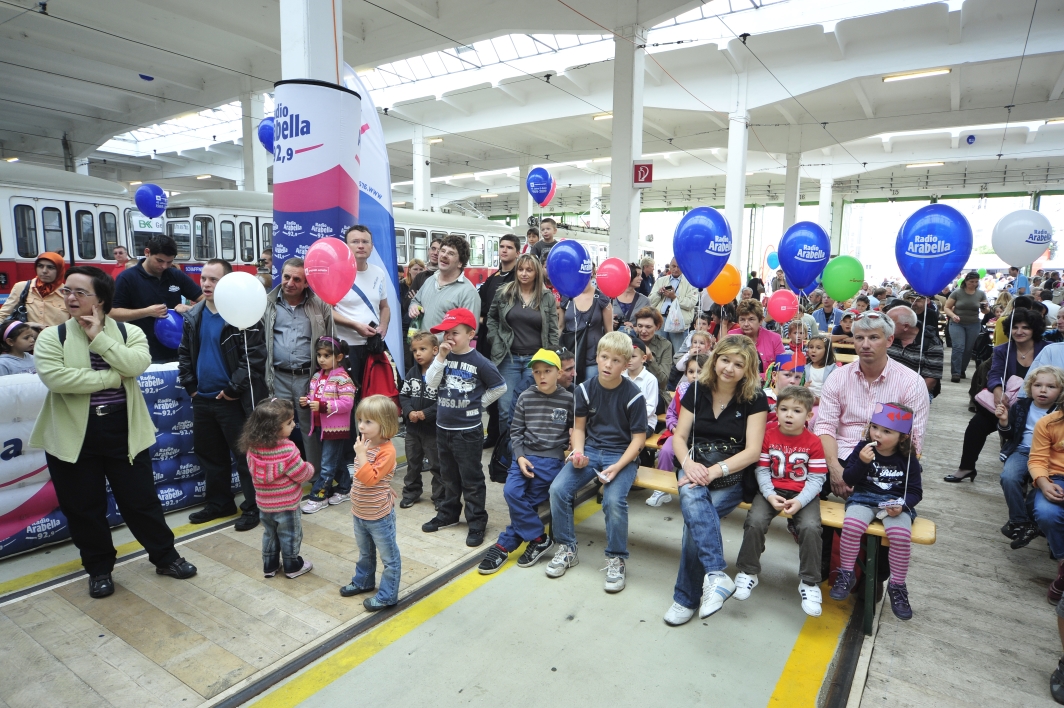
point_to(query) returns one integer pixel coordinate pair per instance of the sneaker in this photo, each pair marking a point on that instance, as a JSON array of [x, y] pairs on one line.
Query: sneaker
[[744, 584], [659, 498], [493, 560], [306, 568], [534, 551], [716, 588], [372, 604], [435, 524], [564, 559], [1056, 588], [101, 586], [407, 503], [678, 614], [247, 521], [811, 599], [350, 590], [844, 583], [1056, 682], [1011, 530], [614, 574], [338, 498], [315, 503], [1024, 535], [899, 601], [474, 538], [269, 573], [792, 526], [180, 569]]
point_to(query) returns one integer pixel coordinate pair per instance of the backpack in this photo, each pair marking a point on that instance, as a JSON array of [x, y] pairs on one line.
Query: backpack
[[502, 457], [380, 377]]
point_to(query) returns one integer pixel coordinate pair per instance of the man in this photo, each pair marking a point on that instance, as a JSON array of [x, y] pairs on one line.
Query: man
[[447, 288], [673, 290], [659, 351], [815, 300], [919, 305], [1046, 298], [432, 266], [364, 311], [121, 258], [224, 377], [295, 318], [266, 258], [144, 293], [906, 348], [746, 294], [1014, 273], [646, 286], [828, 316], [547, 228], [531, 239], [779, 282], [508, 250]]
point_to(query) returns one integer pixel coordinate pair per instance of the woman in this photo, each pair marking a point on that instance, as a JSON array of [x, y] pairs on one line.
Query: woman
[[521, 321], [95, 430], [718, 435], [1025, 302], [1013, 358], [769, 344], [40, 296], [630, 301], [963, 308], [755, 284], [582, 321], [406, 294]]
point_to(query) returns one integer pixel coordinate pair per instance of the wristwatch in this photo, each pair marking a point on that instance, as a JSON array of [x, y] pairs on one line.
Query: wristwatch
[[723, 469]]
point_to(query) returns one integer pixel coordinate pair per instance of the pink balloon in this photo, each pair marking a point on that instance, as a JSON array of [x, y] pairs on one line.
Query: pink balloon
[[783, 305], [550, 194], [330, 268], [613, 277]]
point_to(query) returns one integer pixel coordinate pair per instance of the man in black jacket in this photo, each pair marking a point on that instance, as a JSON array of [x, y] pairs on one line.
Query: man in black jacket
[[224, 380], [508, 252]]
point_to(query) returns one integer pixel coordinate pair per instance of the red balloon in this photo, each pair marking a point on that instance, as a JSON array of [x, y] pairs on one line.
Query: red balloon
[[783, 305], [613, 277], [330, 268]]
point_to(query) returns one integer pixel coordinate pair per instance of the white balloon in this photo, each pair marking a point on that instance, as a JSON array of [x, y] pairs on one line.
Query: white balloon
[[1021, 237], [240, 299]]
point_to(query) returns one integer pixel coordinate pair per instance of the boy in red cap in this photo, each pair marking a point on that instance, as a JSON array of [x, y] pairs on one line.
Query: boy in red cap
[[466, 382]]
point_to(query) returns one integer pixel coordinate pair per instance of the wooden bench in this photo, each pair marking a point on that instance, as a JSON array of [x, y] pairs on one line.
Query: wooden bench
[[831, 515]]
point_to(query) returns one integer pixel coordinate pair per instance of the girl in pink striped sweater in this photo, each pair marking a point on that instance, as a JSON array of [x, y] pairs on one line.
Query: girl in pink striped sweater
[[278, 473], [331, 398]]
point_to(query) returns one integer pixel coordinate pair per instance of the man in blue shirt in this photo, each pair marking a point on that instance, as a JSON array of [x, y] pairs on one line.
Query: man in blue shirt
[[224, 380], [828, 316]]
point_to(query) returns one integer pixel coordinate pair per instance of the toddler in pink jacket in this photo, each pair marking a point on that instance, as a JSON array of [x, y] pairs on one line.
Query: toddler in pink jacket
[[331, 398]]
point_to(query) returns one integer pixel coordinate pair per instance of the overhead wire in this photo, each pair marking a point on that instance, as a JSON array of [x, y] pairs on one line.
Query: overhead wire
[[1016, 85]]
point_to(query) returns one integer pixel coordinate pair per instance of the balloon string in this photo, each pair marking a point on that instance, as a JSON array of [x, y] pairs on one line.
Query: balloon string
[[247, 360]]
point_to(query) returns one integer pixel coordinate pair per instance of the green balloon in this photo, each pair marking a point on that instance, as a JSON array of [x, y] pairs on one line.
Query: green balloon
[[982, 272], [843, 277]]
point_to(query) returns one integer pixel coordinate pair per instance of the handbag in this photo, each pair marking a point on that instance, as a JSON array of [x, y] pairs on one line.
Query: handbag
[[21, 313], [985, 398], [710, 453], [375, 343]]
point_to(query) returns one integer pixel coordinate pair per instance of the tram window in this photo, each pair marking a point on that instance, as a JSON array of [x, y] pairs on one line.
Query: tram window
[[178, 213], [267, 237], [247, 242], [493, 244], [86, 235], [179, 231], [476, 250], [52, 220], [203, 238], [227, 230], [400, 246], [109, 234], [420, 239], [25, 231], [438, 234]]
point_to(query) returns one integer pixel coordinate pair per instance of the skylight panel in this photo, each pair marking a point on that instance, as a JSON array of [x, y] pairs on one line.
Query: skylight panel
[[546, 39], [567, 40], [418, 67], [435, 63], [524, 44], [504, 47], [589, 38], [452, 62]]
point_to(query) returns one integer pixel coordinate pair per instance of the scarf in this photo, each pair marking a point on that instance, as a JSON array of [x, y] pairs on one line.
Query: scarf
[[46, 289]]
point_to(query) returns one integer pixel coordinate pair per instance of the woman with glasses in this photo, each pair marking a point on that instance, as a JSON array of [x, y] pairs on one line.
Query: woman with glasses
[[95, 430], [964, 307], [631, 301], [39, 297]]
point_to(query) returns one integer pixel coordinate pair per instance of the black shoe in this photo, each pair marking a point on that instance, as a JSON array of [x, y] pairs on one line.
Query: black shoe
[[534, 551], [247, 521], [372, 604], [964, 375], [1025, 535], [899, 601], [209, 514], [952, 478], [101, 586], [180, 569], [1011, 530], [955, 379], [490, 443], [350, 590], [474, 538], [1056, 682], [494, 560], [407, 503], [435, 524]]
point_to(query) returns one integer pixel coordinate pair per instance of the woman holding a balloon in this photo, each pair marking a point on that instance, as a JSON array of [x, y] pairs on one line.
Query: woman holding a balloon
[[630, 301], [583, 320]]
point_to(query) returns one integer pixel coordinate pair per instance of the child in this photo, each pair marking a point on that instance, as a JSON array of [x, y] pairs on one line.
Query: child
[[877, 471], [821, 363], [373, 503], [419, 410], [861, 303], [539, 434], [790, 475], [638, 374], [17, 347], [666, 460], [787, 370], [466, 382], [843, 332], [700, 343], [331, 398], [278, 473], [608, 435]]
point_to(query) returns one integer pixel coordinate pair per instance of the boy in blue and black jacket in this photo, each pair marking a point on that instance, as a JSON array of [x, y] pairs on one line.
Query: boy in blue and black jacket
[[418, 401]]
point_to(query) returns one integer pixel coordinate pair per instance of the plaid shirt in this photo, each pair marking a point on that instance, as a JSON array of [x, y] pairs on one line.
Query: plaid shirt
[[929, 366]]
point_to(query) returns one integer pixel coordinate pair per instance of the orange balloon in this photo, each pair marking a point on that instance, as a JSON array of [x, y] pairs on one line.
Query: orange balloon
[[727, 285]]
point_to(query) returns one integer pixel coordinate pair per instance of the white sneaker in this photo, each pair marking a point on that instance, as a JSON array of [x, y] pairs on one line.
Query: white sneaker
[[659, 498], [716, 588], [312, 506], [678, 614], [337, 499], [811, 599], [564, 559], [744, 584], [614, 574]]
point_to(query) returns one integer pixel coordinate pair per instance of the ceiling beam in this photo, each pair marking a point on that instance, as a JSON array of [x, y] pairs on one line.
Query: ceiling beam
[[654, 71], [450, 101], [862, 98], [956, 24], [786, 114], [1058, 87], [546, 136], [425, 9], [658, 127], [518, 97], [955, 89]]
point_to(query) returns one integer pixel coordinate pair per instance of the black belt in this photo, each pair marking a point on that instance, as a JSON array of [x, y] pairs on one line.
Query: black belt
[[107, 409], [295, 372]]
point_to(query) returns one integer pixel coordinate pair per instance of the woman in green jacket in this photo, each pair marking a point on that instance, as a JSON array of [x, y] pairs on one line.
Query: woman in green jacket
[[95, 428], [522, 320]]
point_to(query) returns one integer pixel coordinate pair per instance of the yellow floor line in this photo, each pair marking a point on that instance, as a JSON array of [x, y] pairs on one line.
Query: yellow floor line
[[803, 674]]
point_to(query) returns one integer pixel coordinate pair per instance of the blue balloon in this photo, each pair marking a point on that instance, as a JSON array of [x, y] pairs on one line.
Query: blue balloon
[[803, 252], [265, 133], [970, 140], [151, 200], [569, 267], [932, 247], [539, 184], [773, 260], [168, 329], [702, 245]]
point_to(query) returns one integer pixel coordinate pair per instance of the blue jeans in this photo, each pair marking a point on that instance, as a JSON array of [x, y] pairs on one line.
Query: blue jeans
[[371, 537], [333, 468], [677, 339], [282, 535], [614, 500], [1014, 483], [523, 495], [703, 547], [963, 338], [1050, 519], [514, 369]]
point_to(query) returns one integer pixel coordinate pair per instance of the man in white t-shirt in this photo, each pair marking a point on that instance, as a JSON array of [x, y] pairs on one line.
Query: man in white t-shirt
[[363, 311]]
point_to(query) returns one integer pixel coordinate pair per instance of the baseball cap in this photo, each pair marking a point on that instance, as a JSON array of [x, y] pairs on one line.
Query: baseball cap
[[455, 317], [848, 313], [638, 343], [547, 357]]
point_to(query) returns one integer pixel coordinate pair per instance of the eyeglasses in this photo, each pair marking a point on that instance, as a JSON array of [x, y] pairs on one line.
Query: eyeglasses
[[79, 294]]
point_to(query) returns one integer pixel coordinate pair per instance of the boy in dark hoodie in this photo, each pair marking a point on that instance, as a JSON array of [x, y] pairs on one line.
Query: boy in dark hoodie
[[419, 412]]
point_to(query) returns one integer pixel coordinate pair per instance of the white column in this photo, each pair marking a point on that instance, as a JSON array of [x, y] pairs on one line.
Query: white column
[[255, 156], [422, 170], [628, 68], [81, 165], [312, 45], [524, 200], [735, 181], [595, 209], [836, 225], [790, 190], [825, 203]]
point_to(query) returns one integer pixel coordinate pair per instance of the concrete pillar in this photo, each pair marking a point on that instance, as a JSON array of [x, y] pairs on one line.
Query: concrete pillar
[[790, 190], [81, 165], [255, 156], [824, 217], [524, 200], [596, 206], [422, 170], [628, 68], [312, 45], [735, 181], [837, 205]]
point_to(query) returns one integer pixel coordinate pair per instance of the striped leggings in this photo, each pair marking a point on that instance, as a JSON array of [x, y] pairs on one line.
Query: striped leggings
[[899, 533]]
